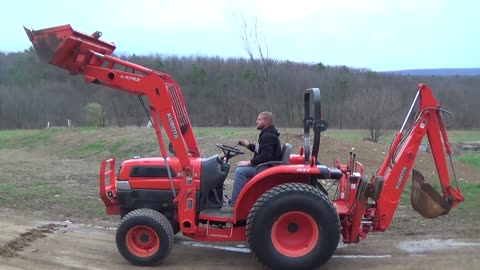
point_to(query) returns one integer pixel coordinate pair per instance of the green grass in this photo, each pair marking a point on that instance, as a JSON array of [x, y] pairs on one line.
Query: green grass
[[471, 158], [359, 134], [39, 195], [138, 149], [346, 134], [28, 193], [119, 147], [12, 133], [132, 146], [470, 191], [202, 131], [80, 129], [464, 135], [89, 149], [405, 197], [115, 146], [26, 138]]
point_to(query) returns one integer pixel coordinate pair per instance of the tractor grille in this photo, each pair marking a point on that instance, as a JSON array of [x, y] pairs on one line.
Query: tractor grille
[[151, 171]]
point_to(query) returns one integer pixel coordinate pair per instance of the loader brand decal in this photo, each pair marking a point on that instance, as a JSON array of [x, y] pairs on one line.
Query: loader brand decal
[[423, 124], [303, 170], [130, 78], [172, 125], [400, 178]]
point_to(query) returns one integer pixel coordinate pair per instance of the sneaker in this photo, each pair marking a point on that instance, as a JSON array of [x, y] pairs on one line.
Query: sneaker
[[227, 209]]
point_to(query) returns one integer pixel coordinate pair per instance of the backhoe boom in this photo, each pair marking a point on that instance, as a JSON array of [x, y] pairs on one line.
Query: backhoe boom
[[398, 164]]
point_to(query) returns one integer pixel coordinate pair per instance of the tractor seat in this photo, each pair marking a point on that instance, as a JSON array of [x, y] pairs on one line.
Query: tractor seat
[[286, 151]]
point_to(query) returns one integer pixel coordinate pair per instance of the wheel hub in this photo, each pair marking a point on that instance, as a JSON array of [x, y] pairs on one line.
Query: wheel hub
[[142, 241], [292, 227], [295, 234], [144, 238]]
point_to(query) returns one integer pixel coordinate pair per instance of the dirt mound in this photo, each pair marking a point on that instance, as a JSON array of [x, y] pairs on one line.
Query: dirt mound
[[12, 247]]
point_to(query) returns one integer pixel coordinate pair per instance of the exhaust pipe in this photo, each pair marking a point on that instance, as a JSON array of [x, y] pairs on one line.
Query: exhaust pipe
[[425, 199]]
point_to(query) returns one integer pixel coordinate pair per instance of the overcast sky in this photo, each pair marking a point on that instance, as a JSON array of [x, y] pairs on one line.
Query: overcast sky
[[376, 34]]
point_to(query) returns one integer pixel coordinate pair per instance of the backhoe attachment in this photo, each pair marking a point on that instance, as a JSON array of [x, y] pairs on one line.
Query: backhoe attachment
[[396, 167], [425, 199]]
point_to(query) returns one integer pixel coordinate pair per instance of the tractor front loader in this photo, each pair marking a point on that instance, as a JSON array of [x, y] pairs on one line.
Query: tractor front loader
[[284, 212]]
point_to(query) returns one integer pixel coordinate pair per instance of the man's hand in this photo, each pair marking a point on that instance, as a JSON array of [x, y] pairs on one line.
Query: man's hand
[[243, 143], [244, 163]]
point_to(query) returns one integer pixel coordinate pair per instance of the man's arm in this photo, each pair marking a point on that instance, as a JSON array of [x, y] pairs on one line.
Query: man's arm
[[245, 143], [266, 149], [251, 147]]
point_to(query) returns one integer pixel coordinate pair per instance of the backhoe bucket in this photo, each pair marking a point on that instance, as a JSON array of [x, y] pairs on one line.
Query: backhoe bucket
[[425, 199], [67, 48]]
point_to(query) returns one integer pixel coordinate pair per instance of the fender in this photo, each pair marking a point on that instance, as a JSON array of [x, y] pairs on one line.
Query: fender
[[274, 176]]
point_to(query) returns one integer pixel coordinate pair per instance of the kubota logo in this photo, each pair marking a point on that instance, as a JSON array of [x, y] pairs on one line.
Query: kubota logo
[[400, 178], [172, 125]]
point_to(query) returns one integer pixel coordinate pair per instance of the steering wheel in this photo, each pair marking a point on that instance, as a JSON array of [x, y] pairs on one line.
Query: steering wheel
[[230, 151]]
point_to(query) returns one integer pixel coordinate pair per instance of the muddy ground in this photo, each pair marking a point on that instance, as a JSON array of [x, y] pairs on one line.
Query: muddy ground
[[63, 245], [59, 234]]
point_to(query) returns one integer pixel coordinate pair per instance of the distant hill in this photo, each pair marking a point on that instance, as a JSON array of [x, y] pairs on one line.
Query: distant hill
[[438, 72]]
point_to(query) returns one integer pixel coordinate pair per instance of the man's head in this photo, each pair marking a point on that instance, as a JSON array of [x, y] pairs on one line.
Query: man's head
[[264, 120]]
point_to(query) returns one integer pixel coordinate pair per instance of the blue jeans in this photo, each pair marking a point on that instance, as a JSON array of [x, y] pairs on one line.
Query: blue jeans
[[242, 175]]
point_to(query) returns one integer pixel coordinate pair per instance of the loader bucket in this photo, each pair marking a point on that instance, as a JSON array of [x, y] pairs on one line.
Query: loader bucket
[[67, 48], [425, 199]]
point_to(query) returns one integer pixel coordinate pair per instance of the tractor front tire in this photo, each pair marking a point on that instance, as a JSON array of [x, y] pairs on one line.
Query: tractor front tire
[[144, 237], [293, 226]]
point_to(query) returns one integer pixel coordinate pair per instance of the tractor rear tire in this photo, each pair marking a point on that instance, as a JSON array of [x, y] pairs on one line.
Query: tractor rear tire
[[144, 237], [293, 226]]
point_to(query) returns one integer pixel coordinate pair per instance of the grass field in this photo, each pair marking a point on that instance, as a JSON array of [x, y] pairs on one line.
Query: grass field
[[128, 146], [359, 134], [96, 144]]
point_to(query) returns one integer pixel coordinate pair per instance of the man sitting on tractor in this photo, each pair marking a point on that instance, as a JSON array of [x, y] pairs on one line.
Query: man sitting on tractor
[[267, 149]]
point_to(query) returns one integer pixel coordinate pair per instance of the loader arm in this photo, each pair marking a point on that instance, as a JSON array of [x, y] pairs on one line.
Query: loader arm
[[397, 166], [85, 54]]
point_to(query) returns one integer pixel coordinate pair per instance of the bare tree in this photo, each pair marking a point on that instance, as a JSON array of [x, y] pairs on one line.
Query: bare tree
[[33, 93], [255, 45], [376, 107]]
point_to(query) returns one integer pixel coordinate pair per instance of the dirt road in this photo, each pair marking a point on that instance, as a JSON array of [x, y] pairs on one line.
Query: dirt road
[[37, 244]]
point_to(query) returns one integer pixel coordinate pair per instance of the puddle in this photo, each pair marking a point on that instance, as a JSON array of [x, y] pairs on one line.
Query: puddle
[[362, 256], [81, 228], [244, 249], [238, 248], [433, 244]]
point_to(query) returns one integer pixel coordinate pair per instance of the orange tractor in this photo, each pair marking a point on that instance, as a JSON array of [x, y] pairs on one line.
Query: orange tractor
[[284, 212]]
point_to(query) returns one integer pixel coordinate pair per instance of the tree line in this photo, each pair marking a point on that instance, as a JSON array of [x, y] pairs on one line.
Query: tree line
[[226, 92]]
